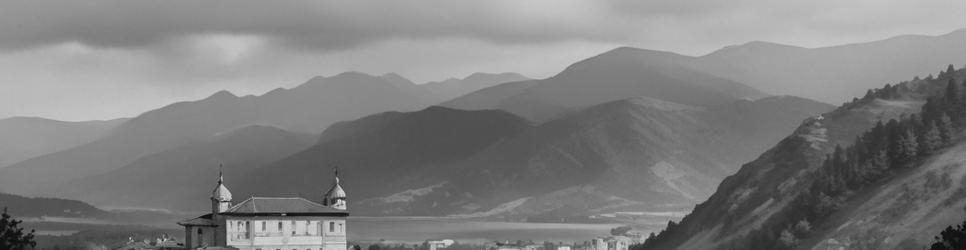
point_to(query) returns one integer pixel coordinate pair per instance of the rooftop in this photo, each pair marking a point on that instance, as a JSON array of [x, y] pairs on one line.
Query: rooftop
[[204, 220], [282, 205]]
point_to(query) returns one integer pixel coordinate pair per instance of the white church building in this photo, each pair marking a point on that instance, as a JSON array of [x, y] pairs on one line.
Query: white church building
[[270, 223]]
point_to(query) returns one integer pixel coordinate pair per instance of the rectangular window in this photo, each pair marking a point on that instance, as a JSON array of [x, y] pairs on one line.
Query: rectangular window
[[263, 226], [279, 226], [331, 227]]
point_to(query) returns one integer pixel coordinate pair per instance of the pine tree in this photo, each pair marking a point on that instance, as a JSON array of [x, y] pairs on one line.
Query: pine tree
[[907, 147], [931, 109], [884, 93], [945, 127], [12, 236], [930, 140], [877, 165], [868, 95], [951, 238]]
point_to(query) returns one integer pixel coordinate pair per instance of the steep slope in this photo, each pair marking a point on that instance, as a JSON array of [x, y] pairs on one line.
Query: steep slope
[[624, 73], [453, 87], [23, 138], [835, 74], [162, 180], [880, 192], [308, 108], [384, 152], [906, 212], [628, 155]]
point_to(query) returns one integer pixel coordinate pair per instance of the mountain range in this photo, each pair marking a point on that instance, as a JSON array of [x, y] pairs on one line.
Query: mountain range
[[647, 153], [617, 74], [159, 180], [308, 108], [836, 74], [627, 130], [830, 74], [628, 155]]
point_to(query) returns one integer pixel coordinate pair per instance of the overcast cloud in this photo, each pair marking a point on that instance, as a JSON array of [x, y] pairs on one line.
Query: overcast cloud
[[79, 60]]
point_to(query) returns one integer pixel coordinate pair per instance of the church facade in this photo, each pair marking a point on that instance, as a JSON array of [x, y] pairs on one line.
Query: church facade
[[270, 223]]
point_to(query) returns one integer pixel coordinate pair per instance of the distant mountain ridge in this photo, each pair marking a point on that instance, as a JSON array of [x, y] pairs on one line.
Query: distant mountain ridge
[[830, 74], [455, 87], [308, 108], [835, 74], [22, 138], [160, 180], [617, 74]]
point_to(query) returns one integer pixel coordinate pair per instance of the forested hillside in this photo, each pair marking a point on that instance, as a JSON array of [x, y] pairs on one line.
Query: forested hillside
[[803, 192]]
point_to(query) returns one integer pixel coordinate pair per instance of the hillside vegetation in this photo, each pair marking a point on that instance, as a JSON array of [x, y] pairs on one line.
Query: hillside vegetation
[[863, 176]]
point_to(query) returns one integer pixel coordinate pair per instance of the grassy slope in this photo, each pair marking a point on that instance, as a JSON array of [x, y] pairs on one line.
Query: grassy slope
[[908, 210]]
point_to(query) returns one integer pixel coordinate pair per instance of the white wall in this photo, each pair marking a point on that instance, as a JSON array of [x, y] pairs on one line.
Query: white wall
[[310, 233]]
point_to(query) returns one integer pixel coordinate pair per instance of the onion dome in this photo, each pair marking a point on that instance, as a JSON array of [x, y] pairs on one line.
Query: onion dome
[[221, 192], [336, 196], [336, 191]]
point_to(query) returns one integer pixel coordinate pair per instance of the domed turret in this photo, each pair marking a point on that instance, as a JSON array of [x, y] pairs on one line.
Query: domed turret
[[220, 197], [335, 197]]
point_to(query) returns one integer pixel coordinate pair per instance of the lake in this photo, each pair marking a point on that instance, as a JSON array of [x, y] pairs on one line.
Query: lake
[[418, 229]]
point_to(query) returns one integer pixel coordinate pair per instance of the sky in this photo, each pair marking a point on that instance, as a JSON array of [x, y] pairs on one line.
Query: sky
[[96, 59]]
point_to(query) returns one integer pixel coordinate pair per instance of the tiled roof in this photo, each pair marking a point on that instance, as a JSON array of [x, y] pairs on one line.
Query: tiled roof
[[204, 220], [281, 205]]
